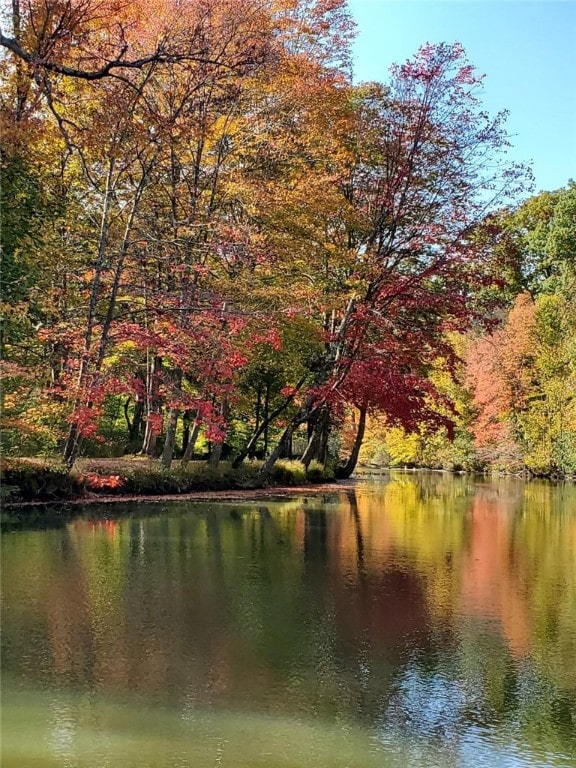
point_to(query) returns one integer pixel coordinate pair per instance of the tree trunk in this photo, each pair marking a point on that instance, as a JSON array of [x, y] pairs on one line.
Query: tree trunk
[[189, 452], [264, 475], [311, 447], [216, 453], [152, 407], [266, 470], [322, 454], [170, 441], [346, 470], [266, 418], [252, 451], [318, 441], [124, 248], [136, 428], [73, 440], [251, 445], [168, 451], [23, 81], [186, 417], [133, 426], [149, 442], [287, 450]]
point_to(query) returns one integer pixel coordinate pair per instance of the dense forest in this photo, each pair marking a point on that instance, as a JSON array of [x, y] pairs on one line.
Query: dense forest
[[215, 243]]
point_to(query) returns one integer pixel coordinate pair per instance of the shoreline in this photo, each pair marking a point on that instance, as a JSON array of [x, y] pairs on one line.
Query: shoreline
[[237, 494]]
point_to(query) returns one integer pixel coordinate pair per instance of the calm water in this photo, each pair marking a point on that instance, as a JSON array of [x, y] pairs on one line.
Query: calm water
[[418, 621]]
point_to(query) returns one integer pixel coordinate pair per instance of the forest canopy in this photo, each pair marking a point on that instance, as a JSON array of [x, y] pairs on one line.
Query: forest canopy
[[215, 242]]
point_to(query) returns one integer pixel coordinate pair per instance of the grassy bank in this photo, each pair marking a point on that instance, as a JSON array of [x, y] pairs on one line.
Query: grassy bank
[[33, 480]]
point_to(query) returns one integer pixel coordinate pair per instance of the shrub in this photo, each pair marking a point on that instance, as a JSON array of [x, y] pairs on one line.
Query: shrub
[[36, 481], [247, 472], [30, 480], [320, 473], [315, 472], [152, 479], [96, 482], [287, 472]]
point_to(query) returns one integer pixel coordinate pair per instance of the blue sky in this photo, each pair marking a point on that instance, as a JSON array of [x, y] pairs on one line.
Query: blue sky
[[526, 49]]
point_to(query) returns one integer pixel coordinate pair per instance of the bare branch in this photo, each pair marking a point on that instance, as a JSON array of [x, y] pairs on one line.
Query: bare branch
[[159, 56]]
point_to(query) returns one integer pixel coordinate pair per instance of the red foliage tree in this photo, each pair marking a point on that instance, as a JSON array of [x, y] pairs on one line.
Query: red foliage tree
[[424, 167]]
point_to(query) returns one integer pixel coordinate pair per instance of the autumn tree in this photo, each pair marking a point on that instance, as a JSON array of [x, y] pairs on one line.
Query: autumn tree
[[223, 188], [522, 376], [432, 425], [412, 185], [124, 103], [93, 41], [499, 373], [157, 144], [522, 373]]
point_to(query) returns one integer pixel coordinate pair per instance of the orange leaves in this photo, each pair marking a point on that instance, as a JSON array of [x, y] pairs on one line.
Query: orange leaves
[[92, 41], [103, 482], [499, 372], [237, 223], [514, 347], [489, 427]]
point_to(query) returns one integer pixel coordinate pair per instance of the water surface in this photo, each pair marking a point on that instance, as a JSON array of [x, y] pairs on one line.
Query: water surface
[[420, 620]]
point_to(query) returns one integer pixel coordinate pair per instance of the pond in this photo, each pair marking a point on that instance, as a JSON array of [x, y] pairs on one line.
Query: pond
[[417, 620]]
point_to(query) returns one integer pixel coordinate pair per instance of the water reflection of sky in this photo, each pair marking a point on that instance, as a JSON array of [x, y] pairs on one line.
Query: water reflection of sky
[[437, 713]]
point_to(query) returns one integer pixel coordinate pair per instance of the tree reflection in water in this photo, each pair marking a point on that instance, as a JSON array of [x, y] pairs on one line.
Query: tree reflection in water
[[425, 610]]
